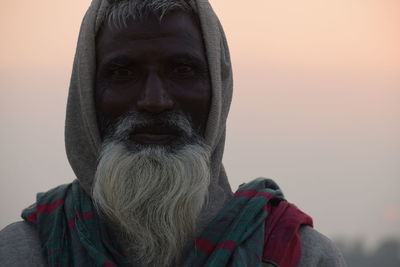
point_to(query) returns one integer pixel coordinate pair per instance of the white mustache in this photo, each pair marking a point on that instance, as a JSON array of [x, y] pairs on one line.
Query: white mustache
[[135, 120]]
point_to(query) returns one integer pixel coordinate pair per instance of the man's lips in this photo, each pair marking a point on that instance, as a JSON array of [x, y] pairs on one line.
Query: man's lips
[[157, 134]]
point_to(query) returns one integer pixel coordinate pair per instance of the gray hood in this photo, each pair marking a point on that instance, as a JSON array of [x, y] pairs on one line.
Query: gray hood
[[82, 136]]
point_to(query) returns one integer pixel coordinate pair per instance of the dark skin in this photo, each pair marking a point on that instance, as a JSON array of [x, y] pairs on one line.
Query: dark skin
[[153, 67]]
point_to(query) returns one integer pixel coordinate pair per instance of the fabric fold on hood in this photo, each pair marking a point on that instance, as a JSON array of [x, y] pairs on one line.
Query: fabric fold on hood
[[82, 136]]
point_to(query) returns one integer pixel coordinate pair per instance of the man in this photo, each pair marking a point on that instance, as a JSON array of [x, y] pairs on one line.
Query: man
[[145, 130]]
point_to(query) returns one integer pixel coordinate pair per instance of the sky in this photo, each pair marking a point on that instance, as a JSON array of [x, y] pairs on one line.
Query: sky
[[315, 107]]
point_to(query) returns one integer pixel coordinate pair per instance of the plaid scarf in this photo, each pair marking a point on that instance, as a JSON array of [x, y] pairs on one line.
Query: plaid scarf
[[72, 234], [236, 236]]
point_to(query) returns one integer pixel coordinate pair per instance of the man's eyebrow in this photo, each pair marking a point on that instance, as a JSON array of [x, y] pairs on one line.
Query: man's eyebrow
[[124, 60], [119, 61], [190, 58]]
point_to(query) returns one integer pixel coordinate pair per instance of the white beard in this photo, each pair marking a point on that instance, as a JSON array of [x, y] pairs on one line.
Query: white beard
[[154, 195]]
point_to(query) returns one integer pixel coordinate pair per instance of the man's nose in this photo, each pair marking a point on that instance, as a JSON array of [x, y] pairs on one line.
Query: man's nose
[[154, 99]]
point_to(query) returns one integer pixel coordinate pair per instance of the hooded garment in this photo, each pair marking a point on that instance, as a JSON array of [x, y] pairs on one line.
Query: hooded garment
[[82, 136]]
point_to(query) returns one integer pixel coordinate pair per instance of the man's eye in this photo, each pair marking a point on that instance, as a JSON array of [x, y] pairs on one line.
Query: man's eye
[[122, 74], [184, 70]]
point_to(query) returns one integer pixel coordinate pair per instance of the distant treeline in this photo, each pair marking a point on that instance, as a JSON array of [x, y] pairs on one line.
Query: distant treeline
[[386, 254]]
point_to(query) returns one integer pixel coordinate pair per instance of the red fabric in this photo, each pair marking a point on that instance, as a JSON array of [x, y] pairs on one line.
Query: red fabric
[[282, 237]]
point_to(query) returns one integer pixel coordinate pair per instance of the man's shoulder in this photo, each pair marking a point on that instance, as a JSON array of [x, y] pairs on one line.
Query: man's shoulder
[[318, 250], [20, 246]]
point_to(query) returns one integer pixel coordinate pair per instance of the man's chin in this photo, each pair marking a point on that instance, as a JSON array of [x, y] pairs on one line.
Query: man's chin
[[154, 139], [167, 144]]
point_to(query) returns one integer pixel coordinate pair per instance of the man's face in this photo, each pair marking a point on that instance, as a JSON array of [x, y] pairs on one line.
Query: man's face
[[152, 98], [153, 68]]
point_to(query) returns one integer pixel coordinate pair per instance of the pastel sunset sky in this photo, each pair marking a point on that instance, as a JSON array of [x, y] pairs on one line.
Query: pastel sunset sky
[[316, 105]]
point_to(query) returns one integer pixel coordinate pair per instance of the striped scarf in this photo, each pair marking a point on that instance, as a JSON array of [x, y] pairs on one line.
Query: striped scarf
[[72, 234], [236, 236]]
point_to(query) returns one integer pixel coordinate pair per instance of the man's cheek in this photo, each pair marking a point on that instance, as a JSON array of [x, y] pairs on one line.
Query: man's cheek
[[113, 104]]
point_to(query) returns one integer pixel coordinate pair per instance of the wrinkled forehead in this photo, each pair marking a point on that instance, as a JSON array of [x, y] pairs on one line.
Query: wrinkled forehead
[[175, 24]]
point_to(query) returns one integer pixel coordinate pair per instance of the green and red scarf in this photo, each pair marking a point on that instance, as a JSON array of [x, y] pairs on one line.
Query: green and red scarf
[[257, 225]]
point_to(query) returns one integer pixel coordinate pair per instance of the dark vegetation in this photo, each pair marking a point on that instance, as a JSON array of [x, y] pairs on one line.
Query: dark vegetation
[[386, 254]]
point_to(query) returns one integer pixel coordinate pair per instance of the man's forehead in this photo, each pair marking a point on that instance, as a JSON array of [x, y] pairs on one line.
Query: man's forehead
[[176, 23]]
